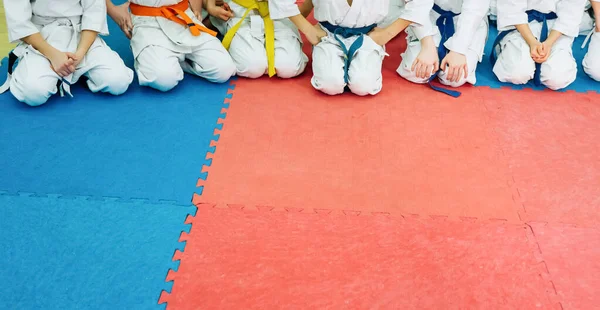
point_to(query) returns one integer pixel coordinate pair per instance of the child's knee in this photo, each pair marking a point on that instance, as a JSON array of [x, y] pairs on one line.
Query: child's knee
[[559, 73], [592, 67], [365, 85], [163, 78], [223, 71], [591, 61], [33, 91], [116, 81], [444, 80], [251, 68], [513, 69], [331, 83], [290, 65]]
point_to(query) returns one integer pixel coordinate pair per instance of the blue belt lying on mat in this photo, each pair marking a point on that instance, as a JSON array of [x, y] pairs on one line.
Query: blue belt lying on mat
[[445, 24], [346, 32], [532, 15]]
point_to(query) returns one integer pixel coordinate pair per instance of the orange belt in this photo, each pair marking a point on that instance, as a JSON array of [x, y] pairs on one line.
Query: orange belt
[[171, 12]]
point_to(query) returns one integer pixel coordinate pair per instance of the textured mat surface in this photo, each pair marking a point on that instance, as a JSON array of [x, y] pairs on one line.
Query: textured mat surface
[[583, 83], [409, 149], [572, 258], [263, 258], [144, 144], [551, 142], [77, 253]]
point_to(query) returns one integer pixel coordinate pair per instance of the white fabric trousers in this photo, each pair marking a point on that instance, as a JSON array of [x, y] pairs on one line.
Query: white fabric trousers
[[250, 55], [473, 56], [34, 81], [591, 61], [515, 65], [162, 69], [365, 76], [161, 58]]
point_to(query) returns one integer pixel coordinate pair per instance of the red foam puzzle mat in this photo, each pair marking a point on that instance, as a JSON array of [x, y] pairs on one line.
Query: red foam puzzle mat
[[552, 143], [262, 258], [572, 258], [407, 199], [408, 150]]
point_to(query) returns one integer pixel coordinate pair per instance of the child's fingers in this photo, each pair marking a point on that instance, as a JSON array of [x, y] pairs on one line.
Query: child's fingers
[[444, 64], [466, 69]]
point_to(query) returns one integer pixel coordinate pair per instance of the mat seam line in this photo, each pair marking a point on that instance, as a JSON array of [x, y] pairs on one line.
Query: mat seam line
[[165, 294]]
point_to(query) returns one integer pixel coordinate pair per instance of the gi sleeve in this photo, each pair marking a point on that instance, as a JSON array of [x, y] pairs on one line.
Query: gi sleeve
[[472, 15], [94, 16], [18, 19], [280, 9], [570, 13], [418, 12], [511, 13]]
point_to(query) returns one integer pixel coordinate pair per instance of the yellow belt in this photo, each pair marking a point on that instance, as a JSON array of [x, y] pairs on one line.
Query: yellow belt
[[263, 10]]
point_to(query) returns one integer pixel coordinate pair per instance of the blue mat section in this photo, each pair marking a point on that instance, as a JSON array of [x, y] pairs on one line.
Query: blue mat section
[[144, 144], [485, 76], [62, 253]]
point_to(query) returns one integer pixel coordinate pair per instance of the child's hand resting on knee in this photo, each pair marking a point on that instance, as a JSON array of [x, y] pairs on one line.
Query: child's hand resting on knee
[[427, 61], [455, 66]]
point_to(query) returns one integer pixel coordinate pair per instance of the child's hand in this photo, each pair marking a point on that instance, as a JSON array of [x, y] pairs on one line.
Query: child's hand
[[537, 51], [543, 51], [380, 36], [315, 35], [77, 58], [62, 63], [221, 11], [455, 66], [120, 14], [427, 61]]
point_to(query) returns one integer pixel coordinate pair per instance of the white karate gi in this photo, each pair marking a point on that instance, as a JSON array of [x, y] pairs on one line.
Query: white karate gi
[[471, 30], [591, 61], [60, 23], [493, 13], [248, 45], [587, 22], [515, 65], [164, 50], [328, 58]]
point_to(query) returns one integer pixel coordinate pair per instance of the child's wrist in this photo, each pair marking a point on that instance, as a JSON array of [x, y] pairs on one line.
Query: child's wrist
[[427, 41]]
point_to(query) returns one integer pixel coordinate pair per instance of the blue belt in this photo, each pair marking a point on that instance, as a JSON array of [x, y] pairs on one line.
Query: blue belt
[[345, 32], [445, 24], [532, 15]]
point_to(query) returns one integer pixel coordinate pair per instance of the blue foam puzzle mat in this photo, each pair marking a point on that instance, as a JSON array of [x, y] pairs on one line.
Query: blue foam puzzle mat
[[144, 144], [486, 77], [77, 253]]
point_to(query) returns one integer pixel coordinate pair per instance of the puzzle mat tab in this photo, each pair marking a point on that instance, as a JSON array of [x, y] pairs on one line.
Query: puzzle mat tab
[[77, 253], [143, 144], [263, 258]]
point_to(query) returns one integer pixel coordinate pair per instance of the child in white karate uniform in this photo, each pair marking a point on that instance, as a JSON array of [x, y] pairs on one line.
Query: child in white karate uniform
[[460, 35], [536, 41], [58, 44], [348, 46], [258, 44], [167, 39], [591, 61]]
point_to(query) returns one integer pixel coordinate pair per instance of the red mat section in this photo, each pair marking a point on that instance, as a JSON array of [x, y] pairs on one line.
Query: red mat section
[[408, 150], [552, 142], [385, 202], [572, 256], [273, 259]]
